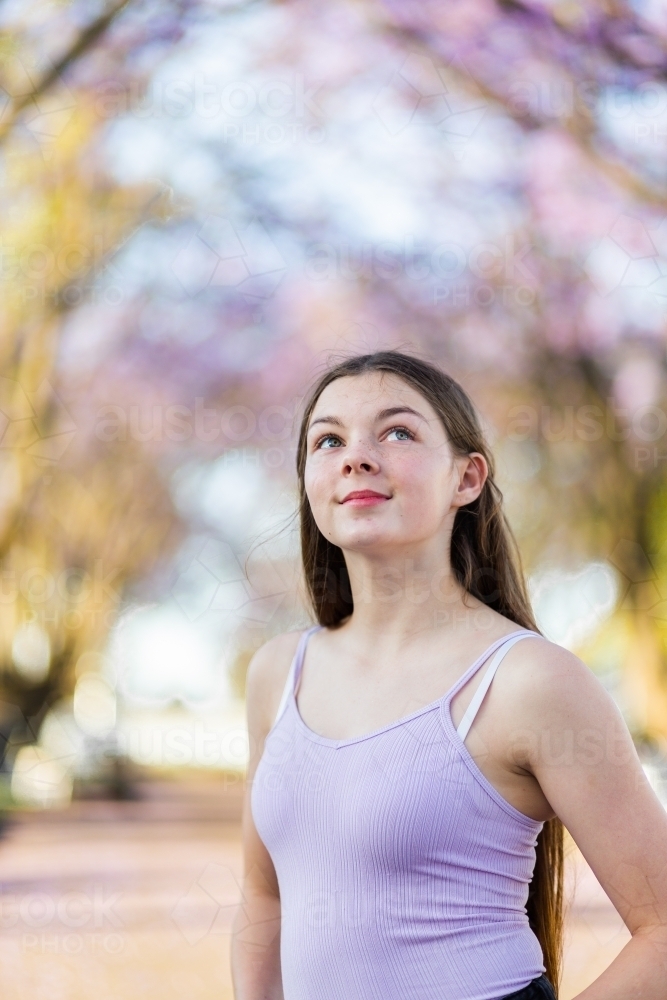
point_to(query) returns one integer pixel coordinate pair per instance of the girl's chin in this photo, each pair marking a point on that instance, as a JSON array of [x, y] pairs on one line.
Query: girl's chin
[[366, 539]]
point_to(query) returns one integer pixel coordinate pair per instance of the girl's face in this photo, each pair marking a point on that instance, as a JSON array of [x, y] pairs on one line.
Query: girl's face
[[380, 471]]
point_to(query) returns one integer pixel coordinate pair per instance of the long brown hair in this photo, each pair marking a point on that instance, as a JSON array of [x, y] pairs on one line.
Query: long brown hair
[[485, 560]]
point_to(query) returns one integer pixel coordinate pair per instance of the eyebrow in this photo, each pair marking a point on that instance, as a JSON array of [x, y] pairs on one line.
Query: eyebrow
[[391, 411]]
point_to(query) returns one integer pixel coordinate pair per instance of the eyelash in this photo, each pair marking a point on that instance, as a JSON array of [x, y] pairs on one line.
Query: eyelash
[[325, 437]]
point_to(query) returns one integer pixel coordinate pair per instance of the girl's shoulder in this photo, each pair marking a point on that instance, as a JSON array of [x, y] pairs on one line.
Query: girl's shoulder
[[267, 673], [551, 690]]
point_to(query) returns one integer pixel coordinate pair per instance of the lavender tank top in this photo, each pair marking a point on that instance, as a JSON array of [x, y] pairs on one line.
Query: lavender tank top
[[403, 874]]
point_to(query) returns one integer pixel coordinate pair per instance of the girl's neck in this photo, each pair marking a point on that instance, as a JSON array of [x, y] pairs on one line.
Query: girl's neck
[[405, 595]]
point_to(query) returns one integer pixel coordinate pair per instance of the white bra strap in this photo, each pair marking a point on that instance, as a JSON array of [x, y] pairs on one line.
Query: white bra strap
[[296, 662], [472, 709], [286, 690]]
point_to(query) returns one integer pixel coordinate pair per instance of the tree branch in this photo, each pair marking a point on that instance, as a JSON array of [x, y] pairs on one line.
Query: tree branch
[[579, 126], [542, 18], [79, 47]]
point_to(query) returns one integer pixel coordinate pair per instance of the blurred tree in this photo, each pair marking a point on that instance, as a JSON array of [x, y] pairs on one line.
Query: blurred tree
[[78, 519], [481, 181]]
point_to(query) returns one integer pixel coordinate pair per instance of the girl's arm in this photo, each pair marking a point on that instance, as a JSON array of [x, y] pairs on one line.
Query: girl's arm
[[255, 950], [577, 745], [255, 947]]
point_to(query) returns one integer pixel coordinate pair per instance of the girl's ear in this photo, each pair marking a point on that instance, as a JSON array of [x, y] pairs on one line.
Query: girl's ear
[[473, 473]]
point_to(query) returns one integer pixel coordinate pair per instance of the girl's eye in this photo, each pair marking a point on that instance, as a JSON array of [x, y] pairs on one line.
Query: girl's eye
[[322, 443], [406, 435]]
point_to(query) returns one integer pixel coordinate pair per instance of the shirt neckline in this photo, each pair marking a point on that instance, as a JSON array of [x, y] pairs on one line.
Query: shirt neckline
[[443, 700]]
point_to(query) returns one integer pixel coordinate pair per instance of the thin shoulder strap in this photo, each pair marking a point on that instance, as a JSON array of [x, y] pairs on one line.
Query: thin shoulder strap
[[295, 669], [473, 708]]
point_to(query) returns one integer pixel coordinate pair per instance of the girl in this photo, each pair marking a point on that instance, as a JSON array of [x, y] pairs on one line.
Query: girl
[[403, 823]]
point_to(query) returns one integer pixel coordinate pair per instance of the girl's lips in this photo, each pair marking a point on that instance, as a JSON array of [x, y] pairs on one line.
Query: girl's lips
[[364, 501], [364, 498]]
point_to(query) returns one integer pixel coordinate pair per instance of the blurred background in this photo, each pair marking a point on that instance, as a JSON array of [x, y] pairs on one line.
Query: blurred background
[[202, 205]]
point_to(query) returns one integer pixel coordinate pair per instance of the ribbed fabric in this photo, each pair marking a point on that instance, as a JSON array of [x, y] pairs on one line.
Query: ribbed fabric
[[403, 873]]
